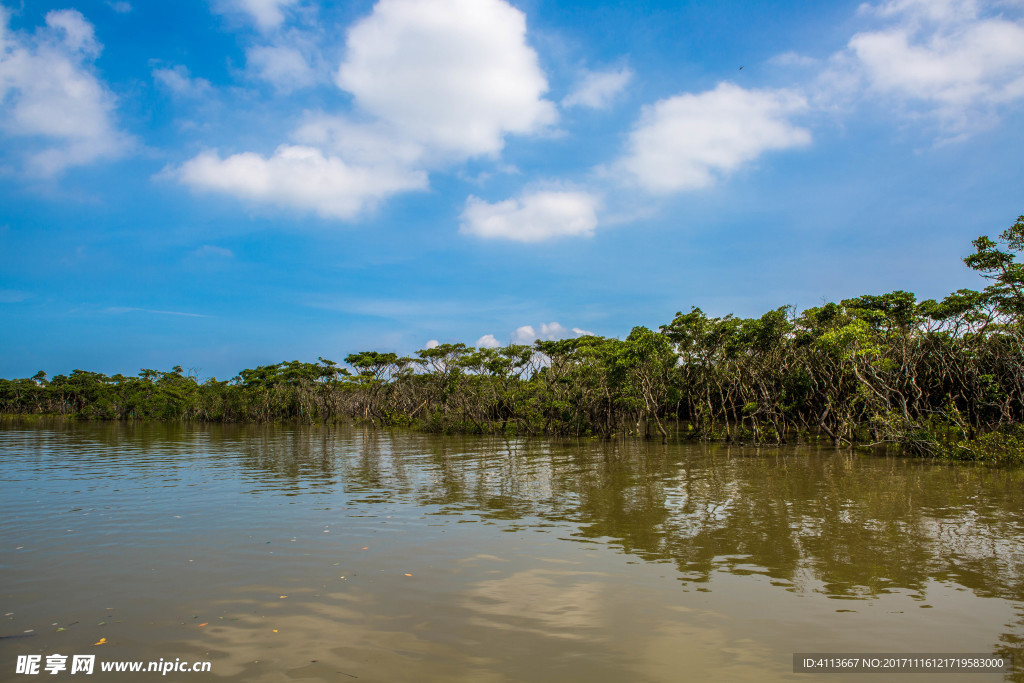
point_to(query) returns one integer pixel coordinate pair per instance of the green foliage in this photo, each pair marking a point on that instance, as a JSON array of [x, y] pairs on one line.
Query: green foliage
[[933, 378], [1001, 268], [1004, 447]]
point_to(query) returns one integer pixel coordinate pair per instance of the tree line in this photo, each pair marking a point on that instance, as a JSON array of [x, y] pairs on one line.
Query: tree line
[[933, 377]]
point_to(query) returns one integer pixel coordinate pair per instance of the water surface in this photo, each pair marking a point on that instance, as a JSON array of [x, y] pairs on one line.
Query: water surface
[[325, 553]]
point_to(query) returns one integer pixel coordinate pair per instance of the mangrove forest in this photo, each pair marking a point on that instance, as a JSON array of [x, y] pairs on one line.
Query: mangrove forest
[[932, 377]]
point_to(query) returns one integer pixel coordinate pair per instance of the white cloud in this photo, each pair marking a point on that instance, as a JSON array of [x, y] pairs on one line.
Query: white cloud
[[453, 75], [285, 60], [432, 344], [487, 342], [597, 89], [361, 143], [297, 176], [553, 330], [50, 95], [120, 7], [266, 14], [434, 81], [179, 81], [527, 334], [212, 251], [76, 34], [533, 217], [943, 56], [793, 59], [688, 141], [120, 310], [524, 335], [925, 10], [283, 66]]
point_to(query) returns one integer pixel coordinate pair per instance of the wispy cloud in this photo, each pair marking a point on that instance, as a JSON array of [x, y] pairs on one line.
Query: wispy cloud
[[286, 67], [13, 296], [179, 81], [406, 309], [120, 310], [212, 251], [266, 15], [597, 89]]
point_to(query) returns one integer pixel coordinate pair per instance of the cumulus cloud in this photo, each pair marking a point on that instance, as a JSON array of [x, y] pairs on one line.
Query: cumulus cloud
[[453, 75], [553, 330], [338, 169], [487, 342], [524, 335], [179, 81], [51, 97], [432, 344], [527, 334], [533, 217], [362, 143], [434, 82], [956, 59], [597, 89], [689, 141], [299, 176]]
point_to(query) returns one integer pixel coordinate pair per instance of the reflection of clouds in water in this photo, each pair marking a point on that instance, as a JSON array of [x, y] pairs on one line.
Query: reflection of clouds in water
[[562, 604], [650, 642], [683, 650], [328, 636]]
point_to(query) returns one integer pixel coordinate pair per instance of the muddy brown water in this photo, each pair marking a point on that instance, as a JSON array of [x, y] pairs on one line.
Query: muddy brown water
[[332, 553]]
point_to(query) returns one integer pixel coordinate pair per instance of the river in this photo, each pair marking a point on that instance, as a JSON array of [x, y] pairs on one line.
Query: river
[[280, 553]]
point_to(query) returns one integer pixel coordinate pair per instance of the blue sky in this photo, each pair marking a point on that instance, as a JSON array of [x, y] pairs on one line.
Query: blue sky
[[225, 183]]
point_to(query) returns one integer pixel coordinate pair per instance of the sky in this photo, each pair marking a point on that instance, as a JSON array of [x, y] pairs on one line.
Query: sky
[[220, 184]]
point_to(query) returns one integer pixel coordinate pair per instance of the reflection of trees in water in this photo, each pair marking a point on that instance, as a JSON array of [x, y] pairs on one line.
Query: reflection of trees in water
[[861, 526], [845, 525]]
